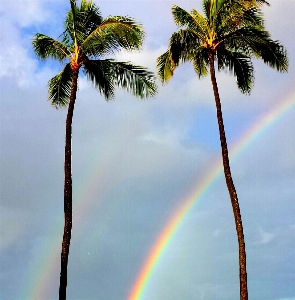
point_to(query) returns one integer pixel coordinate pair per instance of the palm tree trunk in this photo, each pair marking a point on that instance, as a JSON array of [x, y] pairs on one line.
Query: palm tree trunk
[[67, 190], [230, 187]]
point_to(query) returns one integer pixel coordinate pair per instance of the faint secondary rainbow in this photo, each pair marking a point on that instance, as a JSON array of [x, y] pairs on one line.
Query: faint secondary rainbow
[[47, 263], [179, 215]]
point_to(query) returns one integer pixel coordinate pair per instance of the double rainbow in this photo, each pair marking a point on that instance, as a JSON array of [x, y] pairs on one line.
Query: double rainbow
[[39, 286]]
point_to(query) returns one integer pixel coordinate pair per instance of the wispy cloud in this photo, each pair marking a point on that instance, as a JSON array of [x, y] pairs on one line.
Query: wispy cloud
[[265, 237]]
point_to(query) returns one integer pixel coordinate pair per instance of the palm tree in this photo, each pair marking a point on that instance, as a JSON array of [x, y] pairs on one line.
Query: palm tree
[[230, 33], [85, 43]]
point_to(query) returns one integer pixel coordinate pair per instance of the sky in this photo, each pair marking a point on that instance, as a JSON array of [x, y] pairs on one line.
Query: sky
[[137, 163]]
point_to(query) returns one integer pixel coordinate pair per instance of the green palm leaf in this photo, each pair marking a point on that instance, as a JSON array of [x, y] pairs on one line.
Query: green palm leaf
[[106, 74], [238, 64], [47, 47], [81, 21], [99, 73], [257, 42], [59, 87], [165, 66], [112, 35], [200, 61], [194, 22], [135, 79]]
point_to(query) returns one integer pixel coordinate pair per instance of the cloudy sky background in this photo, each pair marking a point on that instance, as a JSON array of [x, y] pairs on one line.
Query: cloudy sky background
[[134, 163]]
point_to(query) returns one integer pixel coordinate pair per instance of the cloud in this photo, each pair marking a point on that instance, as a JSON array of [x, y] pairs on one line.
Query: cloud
[[265, 237], [24, 12], [15, 61], [17, 64], [146, 57]]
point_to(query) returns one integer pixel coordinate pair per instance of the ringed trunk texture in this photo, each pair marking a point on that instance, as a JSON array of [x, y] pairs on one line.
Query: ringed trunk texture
[[230, 187], [67, 191]]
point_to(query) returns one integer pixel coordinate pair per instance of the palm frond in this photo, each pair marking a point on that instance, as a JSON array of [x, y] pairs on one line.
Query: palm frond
[[253, 3], [182, 17], [193, 21], [200, 61], [99, 73], [165, 66], [270, 51], [135, 79], [107, 74], [260, 2], [234, 15], [207, 9], [81, 21], [274, 55], [70, 35], [89, 17], [238, 64], [47, 47], [183, 45], [257, 42], [112, 35], [237, 5], [253, 17], [74, 17], [59, 87], [201, 21]]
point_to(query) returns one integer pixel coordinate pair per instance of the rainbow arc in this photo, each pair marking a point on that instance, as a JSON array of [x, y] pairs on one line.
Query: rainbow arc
[[173, 224]]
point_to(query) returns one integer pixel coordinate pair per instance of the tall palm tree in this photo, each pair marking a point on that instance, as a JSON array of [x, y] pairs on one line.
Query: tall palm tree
[[230, 33], [85, 43]]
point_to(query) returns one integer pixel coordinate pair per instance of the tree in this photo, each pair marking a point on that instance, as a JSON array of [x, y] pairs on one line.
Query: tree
[[230, 33], [85, 43]]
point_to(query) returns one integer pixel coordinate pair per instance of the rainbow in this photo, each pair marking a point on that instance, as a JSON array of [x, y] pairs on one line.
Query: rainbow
[[47, 262], [182, 211], [42, 283]]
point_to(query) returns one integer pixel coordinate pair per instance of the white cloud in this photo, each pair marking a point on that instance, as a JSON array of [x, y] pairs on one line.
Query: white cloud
[[265, 237], [146, 57], [17, 65], [24, 12], [158, 138]]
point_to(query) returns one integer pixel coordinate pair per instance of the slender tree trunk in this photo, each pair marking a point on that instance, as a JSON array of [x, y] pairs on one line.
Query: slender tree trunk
[[67, 190], [230, 187]]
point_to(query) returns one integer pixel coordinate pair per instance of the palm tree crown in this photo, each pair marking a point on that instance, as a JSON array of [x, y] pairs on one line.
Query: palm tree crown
[[86, 41], [231, 31]]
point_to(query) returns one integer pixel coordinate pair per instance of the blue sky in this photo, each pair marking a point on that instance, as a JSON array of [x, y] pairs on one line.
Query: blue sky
[[133, 163]]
